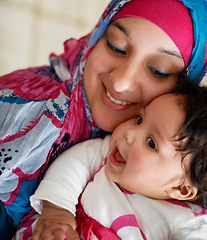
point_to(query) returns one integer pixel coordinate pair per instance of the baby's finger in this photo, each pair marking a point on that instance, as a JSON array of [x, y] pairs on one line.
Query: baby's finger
[[47, 234], [37, 232], [59, 234], [72, 234]]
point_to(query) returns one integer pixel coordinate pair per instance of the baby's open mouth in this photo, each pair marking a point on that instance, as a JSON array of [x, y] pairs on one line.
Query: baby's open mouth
[[116, 157], [119, 157]]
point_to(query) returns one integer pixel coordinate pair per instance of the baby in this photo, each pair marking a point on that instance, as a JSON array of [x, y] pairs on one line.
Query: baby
[[138, 174]]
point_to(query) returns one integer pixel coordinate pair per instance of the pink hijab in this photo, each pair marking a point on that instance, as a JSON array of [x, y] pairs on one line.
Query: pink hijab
[[175, 20]]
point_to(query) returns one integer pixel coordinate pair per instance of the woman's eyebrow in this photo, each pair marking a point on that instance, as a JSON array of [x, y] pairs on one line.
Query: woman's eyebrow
[[170, 52], [161, 50], [120, 27]]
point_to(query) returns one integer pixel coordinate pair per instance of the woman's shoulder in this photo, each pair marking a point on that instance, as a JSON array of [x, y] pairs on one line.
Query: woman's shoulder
[[32, 83]]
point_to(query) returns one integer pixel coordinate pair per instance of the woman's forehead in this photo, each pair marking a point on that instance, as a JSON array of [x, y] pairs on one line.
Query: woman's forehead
[[169, 15]]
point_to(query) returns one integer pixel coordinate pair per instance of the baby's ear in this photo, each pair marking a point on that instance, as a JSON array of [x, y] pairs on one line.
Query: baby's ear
[[183, 192]]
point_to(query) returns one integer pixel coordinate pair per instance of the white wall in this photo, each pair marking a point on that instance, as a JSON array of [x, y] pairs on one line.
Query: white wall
[[31, 29]]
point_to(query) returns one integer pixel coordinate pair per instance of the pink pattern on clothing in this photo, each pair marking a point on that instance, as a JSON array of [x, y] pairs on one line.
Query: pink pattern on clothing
[[125, 221], [88, 225], [75, 122], [98, 170], [26, 231], [22, 176], [203, 212], [23, 132], [179, 203], [72, 49], [32, 84], [125, 191], [186, 205]]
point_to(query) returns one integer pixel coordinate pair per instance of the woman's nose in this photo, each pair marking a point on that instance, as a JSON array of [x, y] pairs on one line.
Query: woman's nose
[[125, 77]]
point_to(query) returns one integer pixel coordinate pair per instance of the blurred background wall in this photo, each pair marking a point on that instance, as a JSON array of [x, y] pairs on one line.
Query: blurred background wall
[[31, 29]]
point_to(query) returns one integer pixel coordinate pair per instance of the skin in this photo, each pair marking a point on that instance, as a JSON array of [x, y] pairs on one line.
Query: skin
[[143, 156], [133, 62], [142, 159], [55, 223]]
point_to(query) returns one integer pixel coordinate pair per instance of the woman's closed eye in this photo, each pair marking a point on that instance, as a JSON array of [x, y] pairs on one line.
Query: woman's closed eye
[[116, 49], [158, 73], [151, 143]]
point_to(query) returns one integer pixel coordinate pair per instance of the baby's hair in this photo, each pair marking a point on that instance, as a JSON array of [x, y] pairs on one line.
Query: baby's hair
[[194, 132]]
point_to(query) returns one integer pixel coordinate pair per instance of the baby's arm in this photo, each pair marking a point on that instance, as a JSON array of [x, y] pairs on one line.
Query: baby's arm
[[63, 183]]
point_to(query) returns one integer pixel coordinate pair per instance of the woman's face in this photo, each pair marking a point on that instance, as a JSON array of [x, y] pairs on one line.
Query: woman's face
[[132, 63]]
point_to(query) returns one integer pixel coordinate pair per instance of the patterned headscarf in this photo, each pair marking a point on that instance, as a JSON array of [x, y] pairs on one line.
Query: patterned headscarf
[[76, 52]]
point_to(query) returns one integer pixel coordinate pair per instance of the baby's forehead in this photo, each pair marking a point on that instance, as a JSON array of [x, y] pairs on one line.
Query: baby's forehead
[[169, 100], [166, 114]]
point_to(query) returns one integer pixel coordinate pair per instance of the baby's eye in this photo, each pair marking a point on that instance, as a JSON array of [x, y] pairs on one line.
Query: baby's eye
[[139, 119], [158, 73], [151, 143], [116, 49]]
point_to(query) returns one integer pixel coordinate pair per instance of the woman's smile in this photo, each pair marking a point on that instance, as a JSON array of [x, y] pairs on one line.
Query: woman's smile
[[115, 100]]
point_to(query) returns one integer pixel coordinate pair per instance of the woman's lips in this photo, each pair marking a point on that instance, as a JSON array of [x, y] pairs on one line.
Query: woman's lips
[[116, 158], [113, 102]]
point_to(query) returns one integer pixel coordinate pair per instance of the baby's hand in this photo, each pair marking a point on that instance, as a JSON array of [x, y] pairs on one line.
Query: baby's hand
[[55, 223]]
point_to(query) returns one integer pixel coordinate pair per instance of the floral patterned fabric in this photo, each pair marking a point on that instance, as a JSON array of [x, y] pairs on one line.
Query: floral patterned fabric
[[41, 116]]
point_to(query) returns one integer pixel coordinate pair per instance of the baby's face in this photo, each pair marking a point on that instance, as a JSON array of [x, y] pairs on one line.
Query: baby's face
[[142, 151]]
